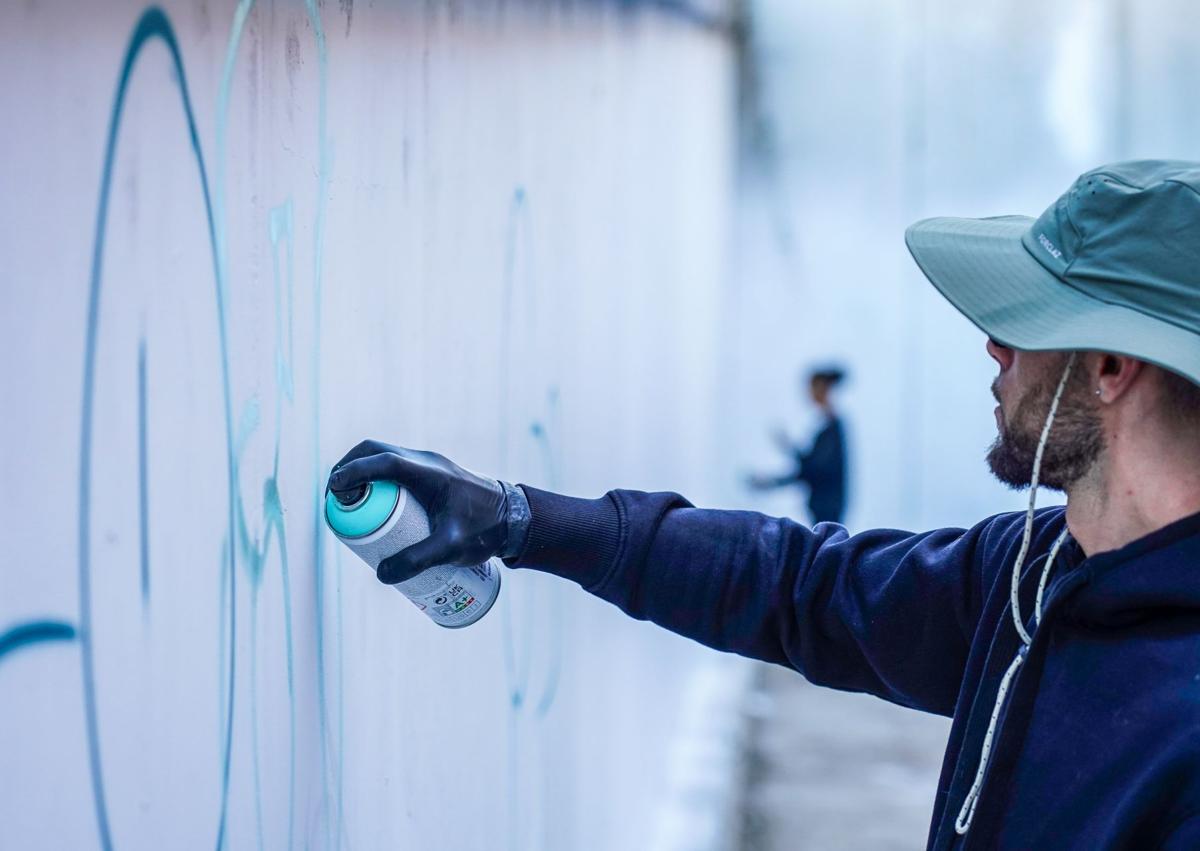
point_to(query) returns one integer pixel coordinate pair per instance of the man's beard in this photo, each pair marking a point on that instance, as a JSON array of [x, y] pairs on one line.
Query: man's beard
[[1076, 437]]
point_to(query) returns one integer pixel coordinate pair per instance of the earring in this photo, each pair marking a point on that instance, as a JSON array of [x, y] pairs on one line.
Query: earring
[[1097, 391]]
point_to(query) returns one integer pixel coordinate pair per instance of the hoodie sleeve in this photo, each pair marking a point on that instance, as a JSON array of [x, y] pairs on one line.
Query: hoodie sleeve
[[886, 612]]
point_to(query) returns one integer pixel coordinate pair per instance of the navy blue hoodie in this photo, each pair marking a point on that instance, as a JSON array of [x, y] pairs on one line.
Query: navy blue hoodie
[[1098, 744]]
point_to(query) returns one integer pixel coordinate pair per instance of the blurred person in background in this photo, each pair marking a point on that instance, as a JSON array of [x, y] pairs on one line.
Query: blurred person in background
[[821, 467], [1064, 642]]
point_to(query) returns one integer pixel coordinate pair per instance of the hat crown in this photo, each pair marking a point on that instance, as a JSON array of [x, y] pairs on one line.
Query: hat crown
[[1128, 234]]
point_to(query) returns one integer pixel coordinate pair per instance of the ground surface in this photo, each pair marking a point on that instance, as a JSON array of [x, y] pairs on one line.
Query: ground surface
[[830, 770]]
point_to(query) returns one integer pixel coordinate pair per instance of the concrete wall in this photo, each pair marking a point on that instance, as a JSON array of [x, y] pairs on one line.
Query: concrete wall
[[236, 241]]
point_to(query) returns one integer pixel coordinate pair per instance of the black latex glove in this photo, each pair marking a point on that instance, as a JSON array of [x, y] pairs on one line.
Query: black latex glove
[[469, 515]]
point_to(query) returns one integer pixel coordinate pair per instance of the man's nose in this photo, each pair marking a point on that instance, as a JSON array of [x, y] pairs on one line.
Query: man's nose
[[1001, 353]]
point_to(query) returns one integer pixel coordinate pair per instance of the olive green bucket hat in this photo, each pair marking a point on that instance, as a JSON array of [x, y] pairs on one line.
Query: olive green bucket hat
[[1113, 265]]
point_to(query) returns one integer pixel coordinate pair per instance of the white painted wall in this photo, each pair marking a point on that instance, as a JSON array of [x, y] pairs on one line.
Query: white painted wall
[[435, 224]]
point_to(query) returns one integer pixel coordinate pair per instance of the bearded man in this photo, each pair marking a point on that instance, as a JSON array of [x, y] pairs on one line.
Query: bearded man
[[1064, 643]]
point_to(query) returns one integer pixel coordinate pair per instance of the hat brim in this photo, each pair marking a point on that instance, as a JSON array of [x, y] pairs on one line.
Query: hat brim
[[983, 269]]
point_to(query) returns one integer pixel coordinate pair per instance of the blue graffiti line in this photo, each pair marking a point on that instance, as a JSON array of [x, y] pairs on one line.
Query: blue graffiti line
[[153, 24], [519, 306], [256, 551], [552, 604], [282, 228], [224, 634], [258, 817], [542, 605], [324, 170], [34, 632], [516, 665], [340, 811], [517, 217], [516, 669], [281, 224], [143, 487]]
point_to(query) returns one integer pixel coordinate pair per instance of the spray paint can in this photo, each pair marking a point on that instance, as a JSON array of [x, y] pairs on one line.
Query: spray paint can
[[380, 519]]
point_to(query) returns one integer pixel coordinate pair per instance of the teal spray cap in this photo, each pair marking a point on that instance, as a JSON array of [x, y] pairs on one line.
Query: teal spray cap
[[366, 513]]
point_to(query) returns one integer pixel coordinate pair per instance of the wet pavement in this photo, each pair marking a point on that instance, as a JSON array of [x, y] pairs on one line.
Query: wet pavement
[[831, 770]]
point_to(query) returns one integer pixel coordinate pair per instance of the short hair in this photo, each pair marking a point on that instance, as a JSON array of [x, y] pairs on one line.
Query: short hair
[[831, 375], [1181, 397]]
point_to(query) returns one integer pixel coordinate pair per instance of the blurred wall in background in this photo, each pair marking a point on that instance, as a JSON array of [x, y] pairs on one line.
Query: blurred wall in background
[[238, 240], [862, 117]]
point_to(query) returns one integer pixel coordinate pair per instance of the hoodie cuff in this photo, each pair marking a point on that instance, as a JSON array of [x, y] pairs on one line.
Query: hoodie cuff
[[574, 538], [517, 520]]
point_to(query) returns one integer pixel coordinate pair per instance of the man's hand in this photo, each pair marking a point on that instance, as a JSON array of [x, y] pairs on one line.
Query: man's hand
[[469, 516]]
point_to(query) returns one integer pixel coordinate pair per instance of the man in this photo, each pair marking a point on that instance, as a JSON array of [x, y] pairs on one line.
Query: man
[[1065, 644]]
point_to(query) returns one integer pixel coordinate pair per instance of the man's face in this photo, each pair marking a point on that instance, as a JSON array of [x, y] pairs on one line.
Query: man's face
[[1025, 388]]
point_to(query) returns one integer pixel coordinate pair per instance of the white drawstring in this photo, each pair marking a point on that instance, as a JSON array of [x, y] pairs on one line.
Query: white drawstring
[[965, 815], [963, 823], [1058, 542]]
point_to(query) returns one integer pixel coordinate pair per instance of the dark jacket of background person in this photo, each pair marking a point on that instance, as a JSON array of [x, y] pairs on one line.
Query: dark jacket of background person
[[822, 466], [823, 469], [1099, 743]]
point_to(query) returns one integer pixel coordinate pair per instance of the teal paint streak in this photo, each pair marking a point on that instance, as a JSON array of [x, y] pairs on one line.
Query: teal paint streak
[[281, 228], [340, 808], [324, 166], [255, 766], [553, 604], [153, 24], [281, 224], [519, 306], [33, 633], [541, 614], [143, 480], [255, 551], [256, 554], [223, 635], [518, 246], [277, 520], [237, 26], [516, 665]]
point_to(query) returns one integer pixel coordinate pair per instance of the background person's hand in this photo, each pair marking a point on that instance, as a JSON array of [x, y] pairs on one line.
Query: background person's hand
[[468, 514], [759, 482], [781, 439]]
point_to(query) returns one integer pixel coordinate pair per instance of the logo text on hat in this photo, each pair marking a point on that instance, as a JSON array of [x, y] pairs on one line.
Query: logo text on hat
[[1049, 246]]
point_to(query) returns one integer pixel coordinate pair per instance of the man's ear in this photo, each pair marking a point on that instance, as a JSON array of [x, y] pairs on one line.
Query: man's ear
[[1114, 375]]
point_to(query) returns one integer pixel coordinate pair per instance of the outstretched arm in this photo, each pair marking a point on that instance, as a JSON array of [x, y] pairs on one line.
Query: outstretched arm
[[886, 612]]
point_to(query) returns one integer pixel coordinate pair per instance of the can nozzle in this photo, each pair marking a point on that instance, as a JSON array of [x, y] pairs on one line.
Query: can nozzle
[[352, 496]]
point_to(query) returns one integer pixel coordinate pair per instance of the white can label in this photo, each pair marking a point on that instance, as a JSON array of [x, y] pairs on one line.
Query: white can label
[[454, 596]]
